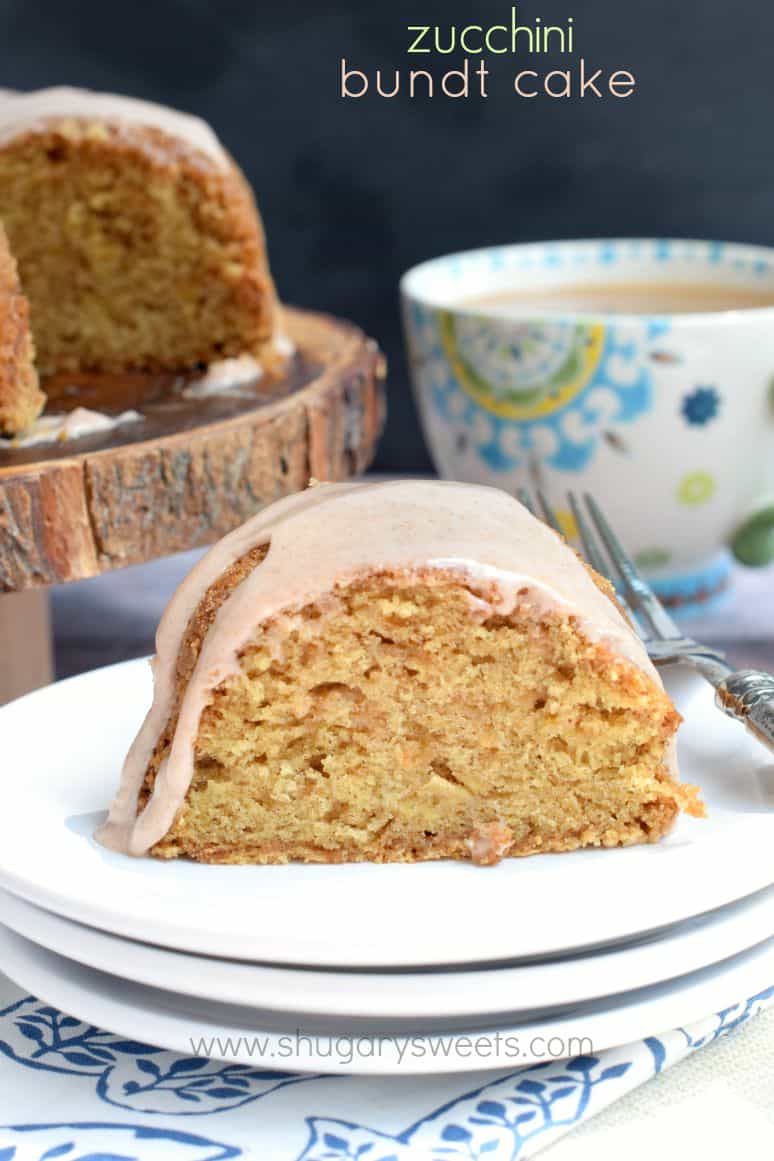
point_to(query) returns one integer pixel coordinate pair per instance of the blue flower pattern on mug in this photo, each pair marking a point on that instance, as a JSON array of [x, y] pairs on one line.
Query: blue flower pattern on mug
[[574, 382], [701, 406]]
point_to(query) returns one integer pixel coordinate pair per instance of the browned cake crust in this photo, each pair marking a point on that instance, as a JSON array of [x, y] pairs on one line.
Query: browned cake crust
[[137, 252], [477, 832], [190, 648], [21, 401]]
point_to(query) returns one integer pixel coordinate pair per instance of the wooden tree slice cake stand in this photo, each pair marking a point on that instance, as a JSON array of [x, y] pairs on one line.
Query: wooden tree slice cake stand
[[188, 472]]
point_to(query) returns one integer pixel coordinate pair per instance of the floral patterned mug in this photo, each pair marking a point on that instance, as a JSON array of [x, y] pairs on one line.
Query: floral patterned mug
[[667, 418]]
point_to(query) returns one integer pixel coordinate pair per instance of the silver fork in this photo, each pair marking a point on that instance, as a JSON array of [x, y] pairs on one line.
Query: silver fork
[[744, 694]]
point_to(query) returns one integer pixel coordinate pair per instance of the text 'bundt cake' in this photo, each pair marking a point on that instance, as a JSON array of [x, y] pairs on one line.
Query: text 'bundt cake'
[[137, 239], [397, 672]]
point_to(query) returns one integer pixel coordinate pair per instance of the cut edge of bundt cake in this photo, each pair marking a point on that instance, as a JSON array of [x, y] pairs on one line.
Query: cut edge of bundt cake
[[139, 245], [21, 400], [417, 706]]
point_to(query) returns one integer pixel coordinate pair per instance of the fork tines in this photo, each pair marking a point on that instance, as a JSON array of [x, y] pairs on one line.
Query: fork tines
[[605, 553]]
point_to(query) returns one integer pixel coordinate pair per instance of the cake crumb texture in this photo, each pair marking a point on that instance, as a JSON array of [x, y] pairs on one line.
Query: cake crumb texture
[[136, 251], [400, 719], [21, 400]]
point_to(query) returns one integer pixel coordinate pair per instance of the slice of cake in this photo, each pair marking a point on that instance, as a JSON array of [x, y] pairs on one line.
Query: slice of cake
[[21, 400], [396, 672], [137, 238]]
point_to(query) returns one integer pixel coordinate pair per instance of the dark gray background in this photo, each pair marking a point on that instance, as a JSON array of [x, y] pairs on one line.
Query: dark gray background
[[355, 192]]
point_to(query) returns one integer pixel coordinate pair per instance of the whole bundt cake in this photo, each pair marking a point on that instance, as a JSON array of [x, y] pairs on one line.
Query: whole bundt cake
[[397, 672], [137, 239]]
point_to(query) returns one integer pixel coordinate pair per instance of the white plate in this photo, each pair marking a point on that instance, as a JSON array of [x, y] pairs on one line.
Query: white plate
[[432, 995], [264, 1039], [62, 752]]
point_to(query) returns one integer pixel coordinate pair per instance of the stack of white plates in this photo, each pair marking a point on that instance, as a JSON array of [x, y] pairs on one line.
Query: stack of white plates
[[359, 968]]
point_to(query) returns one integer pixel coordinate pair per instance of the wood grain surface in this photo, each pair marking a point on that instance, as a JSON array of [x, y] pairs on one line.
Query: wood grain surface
[[190, 472]]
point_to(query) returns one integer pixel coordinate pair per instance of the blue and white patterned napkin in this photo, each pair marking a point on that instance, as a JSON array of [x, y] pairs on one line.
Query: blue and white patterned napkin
[[72, 1091]]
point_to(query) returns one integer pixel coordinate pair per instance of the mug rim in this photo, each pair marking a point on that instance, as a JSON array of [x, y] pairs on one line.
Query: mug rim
[[752, 260]]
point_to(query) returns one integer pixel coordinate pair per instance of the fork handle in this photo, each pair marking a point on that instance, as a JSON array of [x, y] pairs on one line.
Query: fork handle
[[748, 696]]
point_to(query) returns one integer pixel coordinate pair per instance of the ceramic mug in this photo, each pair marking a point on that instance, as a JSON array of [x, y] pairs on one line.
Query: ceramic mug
[[668, 419]]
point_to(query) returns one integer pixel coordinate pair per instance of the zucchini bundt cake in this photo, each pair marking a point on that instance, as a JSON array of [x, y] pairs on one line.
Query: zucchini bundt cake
[[397, 672], [138, 242], [21, 400]]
